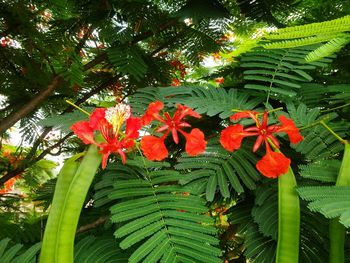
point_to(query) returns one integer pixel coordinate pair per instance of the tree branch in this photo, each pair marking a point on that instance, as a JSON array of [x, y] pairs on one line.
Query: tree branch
[[27, 108], [92, 225], [38, 99]]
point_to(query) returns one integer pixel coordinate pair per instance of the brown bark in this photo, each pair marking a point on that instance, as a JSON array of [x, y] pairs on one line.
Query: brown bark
[[92, 225], [27, 108]]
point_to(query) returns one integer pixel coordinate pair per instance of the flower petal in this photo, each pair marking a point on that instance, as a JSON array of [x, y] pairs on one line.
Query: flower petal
[[195, 143], [96, 116], [84, 131], [288, 126], [133, 125], [152, 112], [244, 114], [231, 137], [273, 164], [153, 148], [183, 111], [175, 135]]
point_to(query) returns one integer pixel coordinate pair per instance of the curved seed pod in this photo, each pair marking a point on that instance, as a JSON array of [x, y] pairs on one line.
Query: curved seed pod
[[70, 193], [288, 219], [50, 236], [337, 230]]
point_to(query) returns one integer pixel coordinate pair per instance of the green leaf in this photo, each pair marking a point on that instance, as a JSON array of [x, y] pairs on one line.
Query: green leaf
[[156, 222]]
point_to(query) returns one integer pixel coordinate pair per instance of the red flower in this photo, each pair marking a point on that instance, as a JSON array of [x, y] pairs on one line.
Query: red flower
[[9, 185], [289, 127], [232, 136], [219, 80], [175, 82], [109, 123], [195, 142], [273, 164], [153, 148]]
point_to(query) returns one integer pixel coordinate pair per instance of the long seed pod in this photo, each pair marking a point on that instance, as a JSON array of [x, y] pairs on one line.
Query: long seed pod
[[337, 230], [288, 219], [70, 193]]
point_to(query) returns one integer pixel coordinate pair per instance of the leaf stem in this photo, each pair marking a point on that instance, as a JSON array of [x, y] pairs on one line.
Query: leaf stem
[[313, 124], [336, 108], [333, 132], [77, 107]]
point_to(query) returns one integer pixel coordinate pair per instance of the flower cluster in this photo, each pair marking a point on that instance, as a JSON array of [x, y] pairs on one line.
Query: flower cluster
[[179, 72], [109, 122], [273, 164], [13, 160], [154, 148], [9, 185], [6, 41], [120, 131]]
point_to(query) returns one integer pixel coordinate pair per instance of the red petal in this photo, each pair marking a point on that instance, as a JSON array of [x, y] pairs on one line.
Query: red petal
[[133, 126], [258, 142], [153, 148], [195, 143], [184, 111], [104, 160], [219, 80], [231, 137], [127, 143], [264, 120], [96, 117], [175, 136], [175, 82], [273, 164], [244, 114], [288, 126], [122, 155], [152, 112], [163, 128], [83, 130]]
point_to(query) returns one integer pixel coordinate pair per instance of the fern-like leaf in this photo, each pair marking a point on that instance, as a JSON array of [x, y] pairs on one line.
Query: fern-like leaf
[[160, 219], [331, 201], [221, 169], [317, 143], [323, 170], [210, 100], [128, 61], [15, 254], [299, 42], [327, 49], [328, 27], [259, 225], [99, 249], [278, 72]]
